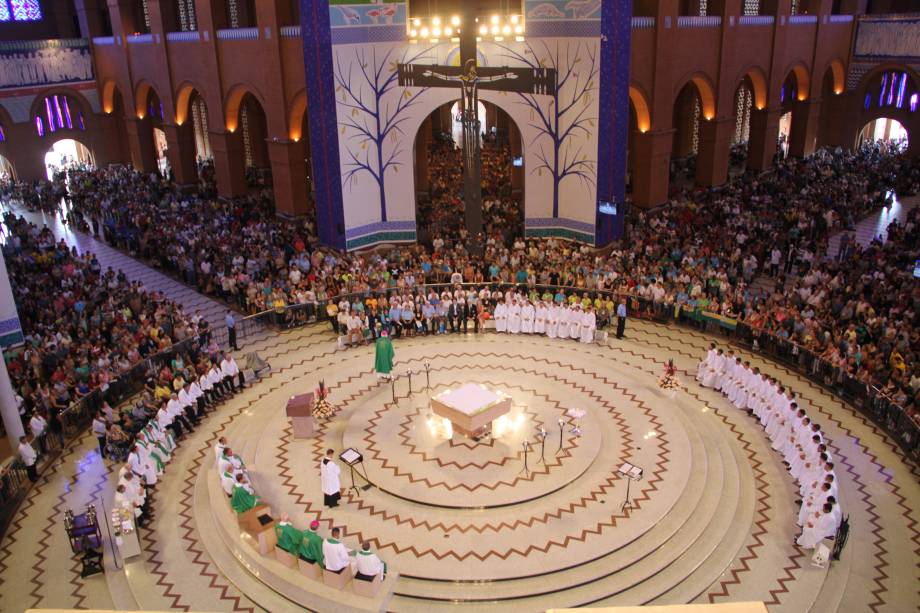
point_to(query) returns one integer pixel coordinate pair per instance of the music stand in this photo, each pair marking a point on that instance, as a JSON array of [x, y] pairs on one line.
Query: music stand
[[632, 473], [352, 457]]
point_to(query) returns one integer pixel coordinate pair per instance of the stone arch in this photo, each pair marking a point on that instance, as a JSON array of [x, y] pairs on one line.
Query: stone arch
[[758, 80], [141, 92], [802, 80], [640, 106], [704, 89], [838, 74], [234, 100], [298, 109], [73, 94]]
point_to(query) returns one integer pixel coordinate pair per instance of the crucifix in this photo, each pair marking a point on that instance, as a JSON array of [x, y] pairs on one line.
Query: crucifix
[[470, 80]]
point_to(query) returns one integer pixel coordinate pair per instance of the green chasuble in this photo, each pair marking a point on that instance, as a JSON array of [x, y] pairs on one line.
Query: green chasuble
[[242, 500], [383, 362], [289, 537], [311, 547]]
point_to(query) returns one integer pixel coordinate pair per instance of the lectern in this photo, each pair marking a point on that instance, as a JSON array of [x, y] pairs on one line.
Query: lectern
[[300, 410], [258, 523]]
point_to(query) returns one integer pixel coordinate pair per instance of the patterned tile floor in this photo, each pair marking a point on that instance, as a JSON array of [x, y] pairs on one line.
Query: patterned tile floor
[[712, 518]]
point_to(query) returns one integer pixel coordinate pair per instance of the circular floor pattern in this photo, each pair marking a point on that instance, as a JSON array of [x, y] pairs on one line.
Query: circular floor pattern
[[507, 524]]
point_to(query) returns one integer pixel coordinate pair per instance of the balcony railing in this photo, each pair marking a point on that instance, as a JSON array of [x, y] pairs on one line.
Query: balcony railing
[[756, 20], [642, 23], [238, 34], [841, 18], [103, 40], [695, 21], [192, 36], [135, 39], [803, 19], [289, 31]]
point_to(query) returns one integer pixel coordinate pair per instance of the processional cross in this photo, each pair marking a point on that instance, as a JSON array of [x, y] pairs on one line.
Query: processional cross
[[470, 80]]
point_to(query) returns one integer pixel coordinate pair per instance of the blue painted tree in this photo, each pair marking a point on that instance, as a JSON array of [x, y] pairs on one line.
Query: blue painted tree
[[569, 112], [372, 119]]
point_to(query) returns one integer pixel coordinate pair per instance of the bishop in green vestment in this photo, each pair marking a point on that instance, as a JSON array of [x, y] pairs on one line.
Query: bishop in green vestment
[[383, 360], [289, 537], [311, 546]]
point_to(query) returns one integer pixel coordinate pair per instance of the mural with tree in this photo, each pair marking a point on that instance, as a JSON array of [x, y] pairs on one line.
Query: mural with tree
[[570, 112], [373, 124]]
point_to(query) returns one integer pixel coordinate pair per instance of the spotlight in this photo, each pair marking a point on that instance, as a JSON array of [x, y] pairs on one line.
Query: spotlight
[[515, 18], [506, 30], [417, 22], [436, 31], [436, 21], [424, 32], [448, 31], [494, 29], [494, 19], [518, 29], [483, 30], [414, 33], [455, 20]]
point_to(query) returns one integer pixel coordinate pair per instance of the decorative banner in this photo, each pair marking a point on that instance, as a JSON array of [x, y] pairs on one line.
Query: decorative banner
[[888, 37], [34, 63], [10, 328]]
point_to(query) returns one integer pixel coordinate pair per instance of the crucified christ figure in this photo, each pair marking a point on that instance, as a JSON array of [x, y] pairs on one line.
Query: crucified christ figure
[[469, 86]]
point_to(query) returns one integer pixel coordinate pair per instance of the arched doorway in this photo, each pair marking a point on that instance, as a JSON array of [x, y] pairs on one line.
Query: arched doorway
[[253, 127], [782, 140], [688, 112], [744, 103], [889, 134], [439, 179], [64, 154], [7, 171]]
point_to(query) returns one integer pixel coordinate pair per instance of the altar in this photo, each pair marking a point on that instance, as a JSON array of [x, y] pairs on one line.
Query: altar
[[471, 408]]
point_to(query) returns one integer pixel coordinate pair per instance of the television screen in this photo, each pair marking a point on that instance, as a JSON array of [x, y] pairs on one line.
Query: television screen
[[519, 162], [607, 207], [917, 269]]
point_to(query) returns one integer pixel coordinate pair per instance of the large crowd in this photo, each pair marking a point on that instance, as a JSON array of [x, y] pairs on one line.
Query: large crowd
[[703, 250]]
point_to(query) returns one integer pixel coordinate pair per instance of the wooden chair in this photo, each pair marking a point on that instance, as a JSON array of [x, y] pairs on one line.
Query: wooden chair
[[284, 557], [368, 589], [337, 580], [313, 571]]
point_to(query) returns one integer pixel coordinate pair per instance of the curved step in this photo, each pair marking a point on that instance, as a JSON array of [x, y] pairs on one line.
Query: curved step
[[687, 518]]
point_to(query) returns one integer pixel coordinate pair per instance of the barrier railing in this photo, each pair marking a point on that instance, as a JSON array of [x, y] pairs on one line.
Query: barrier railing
[[190, 36], [238, 34], [643, 22], [699, 21], [756, 20]]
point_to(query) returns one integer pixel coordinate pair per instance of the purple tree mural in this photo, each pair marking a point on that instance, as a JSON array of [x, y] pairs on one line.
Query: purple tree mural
[[569, 113], [361, 87]]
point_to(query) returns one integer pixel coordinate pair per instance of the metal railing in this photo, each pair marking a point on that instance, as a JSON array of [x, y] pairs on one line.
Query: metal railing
[[803, 19], [238, 34], [756, 20], [103, 40], [643, 22], [139, 38], [699, 21], [190, 36], [289, 31], [841, 18]]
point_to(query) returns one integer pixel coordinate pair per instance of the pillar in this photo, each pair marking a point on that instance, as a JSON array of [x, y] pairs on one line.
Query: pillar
[[229, 163], [180, 149], [803, 135], [422, 142], [651, 168], [715, 143], [88, 18], [289, 177], [763, 136], [140, 144], [517, 172], [12, 333]]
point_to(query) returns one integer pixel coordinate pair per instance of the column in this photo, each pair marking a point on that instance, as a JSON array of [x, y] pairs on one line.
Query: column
[[289, 177], [11, 333], [715, 143], [422, 142], [763, 136], [140, 144], [651, 168], [229, 163], [804, 132], [180, 149]]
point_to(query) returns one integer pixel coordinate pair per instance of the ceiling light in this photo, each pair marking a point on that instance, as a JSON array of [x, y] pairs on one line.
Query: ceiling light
[[413, 33], [417, 22], [448, 31], [436, 21], [506, 30], [455, 20], [518, 29], [494, 29], [436, 32], [494, 19], [424, 32], [515, 18], [483, 30]]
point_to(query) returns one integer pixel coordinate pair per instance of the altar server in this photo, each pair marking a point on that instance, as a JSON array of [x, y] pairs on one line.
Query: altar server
[[704, 365], [141, 465], [539, 322], [501, 317], [368, 565], [818, 526], [331, 483], [552, 320], [528, 313], [514, 317], [575, 322]]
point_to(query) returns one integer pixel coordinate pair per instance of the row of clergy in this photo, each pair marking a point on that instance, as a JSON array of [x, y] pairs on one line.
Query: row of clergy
[[518, 315], [330, 553], [153, 448], [792, 433]]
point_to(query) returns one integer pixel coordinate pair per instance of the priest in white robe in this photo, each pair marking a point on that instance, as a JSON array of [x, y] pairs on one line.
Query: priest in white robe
[[588, 325], [528, 313], [141, 465], [335, 554], [575, 322], [818, 526], [539, 322], [331, 482], [514, 317], [501, 317], [552, 320]]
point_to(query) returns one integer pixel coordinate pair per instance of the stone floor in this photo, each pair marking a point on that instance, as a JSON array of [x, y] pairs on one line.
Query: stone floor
[[711, 521]]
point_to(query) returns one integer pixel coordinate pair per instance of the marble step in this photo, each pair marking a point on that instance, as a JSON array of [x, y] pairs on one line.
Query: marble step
[[677, 530]]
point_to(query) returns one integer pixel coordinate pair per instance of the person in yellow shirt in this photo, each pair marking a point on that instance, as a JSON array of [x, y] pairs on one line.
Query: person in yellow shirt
[[162, 392]]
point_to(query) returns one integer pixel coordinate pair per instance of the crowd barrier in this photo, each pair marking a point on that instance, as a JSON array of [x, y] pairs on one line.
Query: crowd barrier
[[867, 398]]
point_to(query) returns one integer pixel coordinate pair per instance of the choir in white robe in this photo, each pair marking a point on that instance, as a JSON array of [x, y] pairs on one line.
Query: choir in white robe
[[816, 529], [552, 321], [575, 323]]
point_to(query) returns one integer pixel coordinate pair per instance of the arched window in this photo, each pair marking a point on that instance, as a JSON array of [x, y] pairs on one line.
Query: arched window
[[58, 112], [188, 21], [2, 135], [892, 89], [743, 102]]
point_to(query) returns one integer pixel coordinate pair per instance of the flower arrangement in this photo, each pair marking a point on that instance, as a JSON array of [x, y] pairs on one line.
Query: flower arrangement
[[321, 407], [668, 380]]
